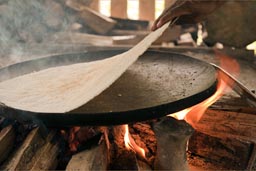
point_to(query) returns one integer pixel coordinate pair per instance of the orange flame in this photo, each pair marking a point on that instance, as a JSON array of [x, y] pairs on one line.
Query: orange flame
[[131, 145], [193, 114]]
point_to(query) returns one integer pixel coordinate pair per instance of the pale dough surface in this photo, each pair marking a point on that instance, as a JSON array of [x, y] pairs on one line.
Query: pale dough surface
[[62, 89]]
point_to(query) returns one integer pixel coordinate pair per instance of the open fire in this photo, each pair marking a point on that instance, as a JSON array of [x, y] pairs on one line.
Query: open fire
[[191, 115], [145, 142], [155, 144]]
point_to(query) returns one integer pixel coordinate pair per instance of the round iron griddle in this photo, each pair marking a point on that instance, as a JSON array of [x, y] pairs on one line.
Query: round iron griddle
[[159, 83]]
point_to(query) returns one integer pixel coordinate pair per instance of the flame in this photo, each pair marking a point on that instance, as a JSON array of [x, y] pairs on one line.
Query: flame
[[130, 143], [73, 143], [126, 138], [193, 114]]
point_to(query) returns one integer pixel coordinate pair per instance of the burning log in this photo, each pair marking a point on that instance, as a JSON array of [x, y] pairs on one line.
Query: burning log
[[7, 136], [121, 157], [92, 159], [172, 136], [224, 152], [96, 21], [231, 135], [228, 124], [35, 153]]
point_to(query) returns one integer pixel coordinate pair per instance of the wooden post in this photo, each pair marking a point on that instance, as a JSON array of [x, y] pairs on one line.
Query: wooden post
[[119, 8], [147, 10], [95, 5]]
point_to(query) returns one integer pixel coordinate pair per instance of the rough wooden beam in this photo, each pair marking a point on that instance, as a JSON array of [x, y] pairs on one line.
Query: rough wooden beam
[[147, 10], [171, 136], [224, 152], [121, 157], [81, 38], [7, 137], [95, 5], [128, 40], [119, 8], [91, 39], [228, 124], [95, 158], [35, 153], [96, 21]]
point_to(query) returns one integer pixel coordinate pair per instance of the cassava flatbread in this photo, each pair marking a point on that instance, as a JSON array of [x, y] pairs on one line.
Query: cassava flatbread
[[62, 89]]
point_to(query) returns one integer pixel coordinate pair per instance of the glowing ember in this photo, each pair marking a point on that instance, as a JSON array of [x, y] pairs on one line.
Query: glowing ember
[[130, 143], [73, 143], [193, 114]]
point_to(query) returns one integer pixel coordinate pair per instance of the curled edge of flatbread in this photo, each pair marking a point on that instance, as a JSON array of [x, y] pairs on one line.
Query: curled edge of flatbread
[[63, 89]]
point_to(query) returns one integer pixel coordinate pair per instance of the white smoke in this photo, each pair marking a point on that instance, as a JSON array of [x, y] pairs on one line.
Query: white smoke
[[24, 22]]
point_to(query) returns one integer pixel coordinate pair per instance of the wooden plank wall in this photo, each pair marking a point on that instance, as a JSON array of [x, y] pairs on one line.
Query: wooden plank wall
[[95, 4], [119, 8], [147, 9]]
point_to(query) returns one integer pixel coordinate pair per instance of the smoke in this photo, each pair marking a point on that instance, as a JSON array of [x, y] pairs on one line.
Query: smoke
[[28, 22]]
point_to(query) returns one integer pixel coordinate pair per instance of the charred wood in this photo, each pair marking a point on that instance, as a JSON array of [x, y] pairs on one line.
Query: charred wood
[[223, 152], [144, 137], [121, 158], [252, 162], [47, 155], [221, 124], [36, 153]]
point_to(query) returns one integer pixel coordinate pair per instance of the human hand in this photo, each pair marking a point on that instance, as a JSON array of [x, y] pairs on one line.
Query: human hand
[[188, 12]]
